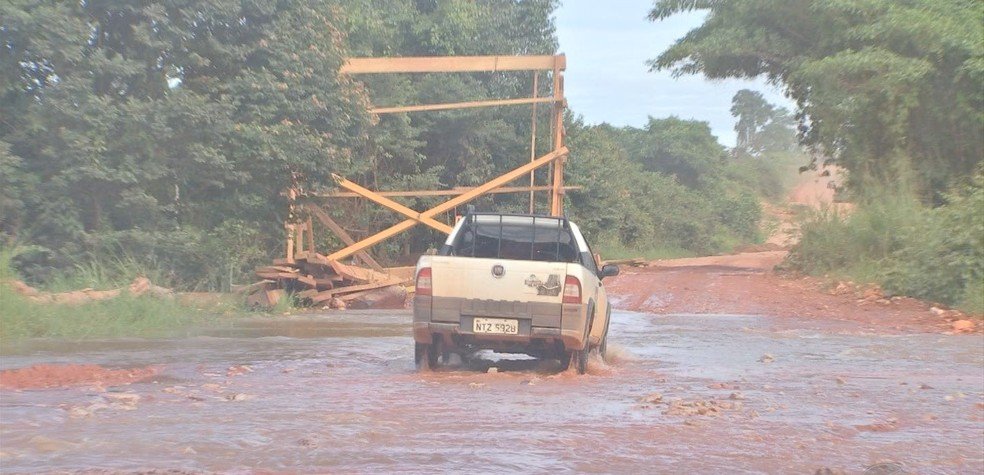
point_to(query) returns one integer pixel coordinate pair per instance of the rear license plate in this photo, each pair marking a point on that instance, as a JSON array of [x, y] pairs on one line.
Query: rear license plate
[[503, 326]]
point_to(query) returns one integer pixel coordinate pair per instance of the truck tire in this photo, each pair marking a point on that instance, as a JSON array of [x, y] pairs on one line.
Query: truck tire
[[579, 358], [425, 356], [603, 347]]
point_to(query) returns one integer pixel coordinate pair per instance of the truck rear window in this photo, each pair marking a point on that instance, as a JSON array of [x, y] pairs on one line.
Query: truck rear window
[[515, 237]]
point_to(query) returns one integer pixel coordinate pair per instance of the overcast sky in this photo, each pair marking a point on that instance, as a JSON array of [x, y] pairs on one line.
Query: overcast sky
[[607, 44]]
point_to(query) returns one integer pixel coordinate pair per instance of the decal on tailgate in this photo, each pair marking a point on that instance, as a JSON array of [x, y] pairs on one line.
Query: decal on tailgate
[[550, 287]]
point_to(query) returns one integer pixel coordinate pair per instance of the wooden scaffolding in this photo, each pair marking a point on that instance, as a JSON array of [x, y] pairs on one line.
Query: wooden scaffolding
[[322, 275]]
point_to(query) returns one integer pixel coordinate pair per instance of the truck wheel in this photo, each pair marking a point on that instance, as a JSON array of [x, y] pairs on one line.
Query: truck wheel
[[579, 358], [603, 348], [425, 354]]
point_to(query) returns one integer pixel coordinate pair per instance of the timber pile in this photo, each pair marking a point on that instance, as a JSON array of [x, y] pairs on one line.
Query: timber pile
[[315, 280], [636, 262]]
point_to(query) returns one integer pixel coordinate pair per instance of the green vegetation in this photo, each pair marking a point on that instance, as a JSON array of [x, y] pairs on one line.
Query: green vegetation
[[892, 92], [671, 190], [157, 136], [935, 254], [165, 131], [126, 315]]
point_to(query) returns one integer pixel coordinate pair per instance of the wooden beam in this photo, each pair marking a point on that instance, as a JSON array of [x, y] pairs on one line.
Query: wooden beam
[[342, 234], [448, 205], [451, 192], [557, 195], [388, 203], [496, 182], [452, 64], [462, 105]]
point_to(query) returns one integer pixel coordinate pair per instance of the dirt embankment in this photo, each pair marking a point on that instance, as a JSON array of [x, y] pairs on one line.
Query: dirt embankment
[[746, 283]]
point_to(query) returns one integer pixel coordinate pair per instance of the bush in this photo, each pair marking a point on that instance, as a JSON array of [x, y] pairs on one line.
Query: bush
[[930, 253]]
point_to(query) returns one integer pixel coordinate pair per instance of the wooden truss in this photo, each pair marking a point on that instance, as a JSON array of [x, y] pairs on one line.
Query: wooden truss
[[300, 239]]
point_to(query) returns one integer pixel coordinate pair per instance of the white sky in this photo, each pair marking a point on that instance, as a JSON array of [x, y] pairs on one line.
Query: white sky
[[607, 44]]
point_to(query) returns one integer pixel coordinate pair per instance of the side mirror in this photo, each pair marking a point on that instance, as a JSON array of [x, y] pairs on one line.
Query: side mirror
[[608, 270]]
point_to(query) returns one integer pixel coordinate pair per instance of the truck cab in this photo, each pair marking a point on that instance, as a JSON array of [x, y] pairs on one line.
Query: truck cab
[[513, 284]]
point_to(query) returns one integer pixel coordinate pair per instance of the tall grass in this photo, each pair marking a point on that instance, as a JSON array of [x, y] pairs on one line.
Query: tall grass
[[126, 315], [910, 249]]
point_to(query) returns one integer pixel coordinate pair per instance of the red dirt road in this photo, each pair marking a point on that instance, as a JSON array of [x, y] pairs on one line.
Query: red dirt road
[[745, 284]]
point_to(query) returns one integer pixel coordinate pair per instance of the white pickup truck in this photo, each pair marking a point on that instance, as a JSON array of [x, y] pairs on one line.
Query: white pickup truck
[[513, 284]]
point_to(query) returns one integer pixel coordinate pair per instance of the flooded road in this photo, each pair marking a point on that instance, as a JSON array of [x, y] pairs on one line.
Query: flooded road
[[338, 393]]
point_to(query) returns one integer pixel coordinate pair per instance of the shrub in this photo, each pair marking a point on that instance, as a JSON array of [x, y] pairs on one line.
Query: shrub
[[910, 249]]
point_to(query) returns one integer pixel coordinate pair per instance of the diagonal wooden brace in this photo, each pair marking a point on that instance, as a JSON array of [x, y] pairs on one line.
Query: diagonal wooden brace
[[448, 205], [392, 205]]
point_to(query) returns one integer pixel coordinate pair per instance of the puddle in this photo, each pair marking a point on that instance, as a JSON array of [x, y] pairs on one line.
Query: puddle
[[339, 393]]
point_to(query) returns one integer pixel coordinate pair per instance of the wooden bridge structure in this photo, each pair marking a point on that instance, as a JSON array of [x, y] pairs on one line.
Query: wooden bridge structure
[[323, 276]]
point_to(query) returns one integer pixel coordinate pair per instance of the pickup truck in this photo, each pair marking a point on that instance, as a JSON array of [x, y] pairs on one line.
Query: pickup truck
[[512, 284]]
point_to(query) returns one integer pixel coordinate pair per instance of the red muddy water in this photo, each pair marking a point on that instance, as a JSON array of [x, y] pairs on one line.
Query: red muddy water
[[338, 393]]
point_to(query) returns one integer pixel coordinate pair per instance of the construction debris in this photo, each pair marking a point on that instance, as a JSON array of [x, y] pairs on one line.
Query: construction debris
[[315, 280], [636, 262]]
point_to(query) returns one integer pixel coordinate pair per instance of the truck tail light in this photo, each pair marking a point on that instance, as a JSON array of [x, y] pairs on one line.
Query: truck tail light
[[572, 290], [424, 283]]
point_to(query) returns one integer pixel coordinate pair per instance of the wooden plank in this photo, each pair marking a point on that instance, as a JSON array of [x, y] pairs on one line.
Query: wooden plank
[[390, 204], [496, 182], [328, 294], [451, 64], [276, 269], [265, 298], [314, 258], [557, 195], [342, 234], [459, 190], [405, 274], [306, 294], [350, 297], [358, 273], [307, 280], [290, 244], [250, 288], [461, 105], [448, 205], [276, 275], [327, 283], [310, 235]]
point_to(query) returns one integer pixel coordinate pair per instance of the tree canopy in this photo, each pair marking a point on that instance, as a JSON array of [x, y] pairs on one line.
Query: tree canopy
[[884, 88]]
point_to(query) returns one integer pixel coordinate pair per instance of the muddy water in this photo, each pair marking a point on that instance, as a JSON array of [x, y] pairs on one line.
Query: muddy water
[[708, 393]]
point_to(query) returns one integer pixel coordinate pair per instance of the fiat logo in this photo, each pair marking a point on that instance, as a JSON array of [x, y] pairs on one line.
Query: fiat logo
[[498, 270]]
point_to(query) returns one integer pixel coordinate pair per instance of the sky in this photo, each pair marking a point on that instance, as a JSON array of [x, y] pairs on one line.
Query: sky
[[607, 44]]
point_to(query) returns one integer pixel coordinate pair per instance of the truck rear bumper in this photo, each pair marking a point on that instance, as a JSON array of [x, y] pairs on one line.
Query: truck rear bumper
[[452, 318]]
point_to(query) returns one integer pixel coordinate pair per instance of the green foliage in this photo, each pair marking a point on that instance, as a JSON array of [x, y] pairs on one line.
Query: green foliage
[[881, 85], [625, 206], [935, 254], [126, 315], [761, 127]]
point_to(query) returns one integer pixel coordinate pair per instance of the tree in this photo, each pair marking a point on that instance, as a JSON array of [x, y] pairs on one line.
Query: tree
[[151, 123], [760, 126], [881, 86], [684, 149]]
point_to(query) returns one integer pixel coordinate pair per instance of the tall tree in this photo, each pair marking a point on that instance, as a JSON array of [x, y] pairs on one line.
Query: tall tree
[[760, 126], [881, 86]]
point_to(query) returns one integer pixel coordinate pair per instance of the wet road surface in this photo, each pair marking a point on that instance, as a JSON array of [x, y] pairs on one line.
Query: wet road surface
[[338, 393]]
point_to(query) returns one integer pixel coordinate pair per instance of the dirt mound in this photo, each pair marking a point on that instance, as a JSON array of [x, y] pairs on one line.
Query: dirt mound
[[46, 376]]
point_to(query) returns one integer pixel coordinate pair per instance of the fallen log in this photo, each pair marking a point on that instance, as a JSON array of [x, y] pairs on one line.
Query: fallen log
[[139, 286]]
